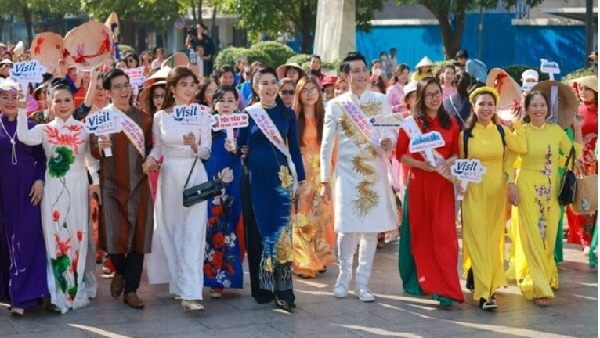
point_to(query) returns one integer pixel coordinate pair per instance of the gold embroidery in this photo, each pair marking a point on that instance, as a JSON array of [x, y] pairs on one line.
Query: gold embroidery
[[285, 177], [371, 108], [284, 253], [268, 265], [367, 197]]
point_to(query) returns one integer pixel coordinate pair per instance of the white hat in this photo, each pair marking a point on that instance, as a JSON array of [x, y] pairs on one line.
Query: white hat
[[409, 88], [9, 85], [425, 62], [530, 74]]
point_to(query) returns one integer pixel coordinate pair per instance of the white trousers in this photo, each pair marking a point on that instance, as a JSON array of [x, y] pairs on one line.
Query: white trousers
[[366, 254]]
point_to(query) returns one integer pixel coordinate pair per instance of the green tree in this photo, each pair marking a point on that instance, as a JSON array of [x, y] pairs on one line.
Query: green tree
[[452, 30], [274, 16]]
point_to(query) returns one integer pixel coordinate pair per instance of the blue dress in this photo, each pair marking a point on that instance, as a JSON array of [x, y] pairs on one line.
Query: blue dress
[[271, 198], [224, 250]]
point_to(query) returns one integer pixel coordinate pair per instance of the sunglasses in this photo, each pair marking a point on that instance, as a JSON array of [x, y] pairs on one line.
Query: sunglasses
[[288, 92]]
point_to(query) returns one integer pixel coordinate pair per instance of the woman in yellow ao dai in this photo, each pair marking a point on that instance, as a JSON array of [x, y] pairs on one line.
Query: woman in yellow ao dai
[[484, 204], [535, 194]]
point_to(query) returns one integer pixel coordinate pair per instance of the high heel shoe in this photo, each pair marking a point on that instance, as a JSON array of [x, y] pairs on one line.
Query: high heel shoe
[[17, 311], [191, 305]]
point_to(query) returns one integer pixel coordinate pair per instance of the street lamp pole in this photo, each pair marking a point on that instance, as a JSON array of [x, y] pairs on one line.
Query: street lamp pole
[[589, 29]]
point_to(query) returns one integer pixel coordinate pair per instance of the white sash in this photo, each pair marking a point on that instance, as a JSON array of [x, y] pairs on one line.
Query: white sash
[[132, 130], [357, 116], [266, 125]]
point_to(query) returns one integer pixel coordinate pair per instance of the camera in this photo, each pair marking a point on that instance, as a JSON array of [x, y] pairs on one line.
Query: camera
[[192, 32]]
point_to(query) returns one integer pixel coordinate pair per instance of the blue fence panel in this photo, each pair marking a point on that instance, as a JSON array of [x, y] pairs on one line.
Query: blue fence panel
[[411, 42], [562, 44], [503, 43]]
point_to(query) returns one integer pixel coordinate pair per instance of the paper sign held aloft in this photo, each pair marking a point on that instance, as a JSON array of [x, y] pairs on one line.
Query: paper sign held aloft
[[136, 75], [229, 121], [549, 67], [468, 170], [104, 122], [392, 121], [26, 72], [190, 114], [430, 140]]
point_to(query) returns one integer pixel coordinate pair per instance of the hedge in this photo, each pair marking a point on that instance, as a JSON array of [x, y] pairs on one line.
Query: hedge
[[277, 52], [126, 49], [577, 73], [229, 56]]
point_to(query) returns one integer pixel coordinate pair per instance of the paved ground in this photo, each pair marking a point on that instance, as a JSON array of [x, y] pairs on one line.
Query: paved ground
[[574, 312]]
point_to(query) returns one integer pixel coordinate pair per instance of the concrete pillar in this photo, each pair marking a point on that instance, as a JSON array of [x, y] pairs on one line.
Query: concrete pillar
[[336, 29]]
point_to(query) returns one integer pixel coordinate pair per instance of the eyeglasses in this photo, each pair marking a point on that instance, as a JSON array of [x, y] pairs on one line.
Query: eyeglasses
[[158, 96], [307, 91], [431, 96], [119, 87], [288, 92]]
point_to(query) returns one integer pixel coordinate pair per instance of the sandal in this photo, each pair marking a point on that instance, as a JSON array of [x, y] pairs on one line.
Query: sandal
[[490, 305], [542, 301]]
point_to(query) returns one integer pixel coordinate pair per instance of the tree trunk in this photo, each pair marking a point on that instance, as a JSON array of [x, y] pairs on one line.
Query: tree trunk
[[28, 22], [199, 20], [308, 21], [451, 39]]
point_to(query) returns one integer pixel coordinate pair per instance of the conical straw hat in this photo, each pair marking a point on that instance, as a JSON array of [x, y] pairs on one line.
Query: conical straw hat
[[47, 48], [161, 74], [510, 93], [590, 81], [88, 46]]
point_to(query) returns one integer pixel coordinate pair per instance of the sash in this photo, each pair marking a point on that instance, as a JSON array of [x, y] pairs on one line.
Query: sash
[[132, 130], [357, 116], [362, 123], [266, 125]]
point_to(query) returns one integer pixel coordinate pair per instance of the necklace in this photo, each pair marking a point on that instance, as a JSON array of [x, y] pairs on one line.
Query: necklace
[[269, 107], [13, 157]]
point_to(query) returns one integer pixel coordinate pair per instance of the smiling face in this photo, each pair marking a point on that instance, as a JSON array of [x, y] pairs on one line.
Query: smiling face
[[358, 76], [8, 102], [62, 104], [586, 94], [449, 74], [120, 91], [433, 97], [266, 88], [184, 90], [537, 110], [226, 104], [226, 79], [484, 108], [341, 88]]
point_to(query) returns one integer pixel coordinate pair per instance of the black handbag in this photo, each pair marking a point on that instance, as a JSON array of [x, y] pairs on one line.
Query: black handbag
[[201, 192], [568, 181]]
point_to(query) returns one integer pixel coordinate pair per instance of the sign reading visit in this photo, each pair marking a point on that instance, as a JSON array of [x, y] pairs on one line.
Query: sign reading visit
[[190, 114]]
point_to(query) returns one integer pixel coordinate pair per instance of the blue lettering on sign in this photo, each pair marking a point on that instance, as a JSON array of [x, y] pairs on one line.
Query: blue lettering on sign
[[184, 112], [98, 119], [429, 137], [24, 67], [465, 167]]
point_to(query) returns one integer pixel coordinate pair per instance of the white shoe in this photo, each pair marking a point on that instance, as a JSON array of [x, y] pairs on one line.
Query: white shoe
[[586, 251], [191, 305], [176, 296], [17, 311], [363, 293], [340, 290]]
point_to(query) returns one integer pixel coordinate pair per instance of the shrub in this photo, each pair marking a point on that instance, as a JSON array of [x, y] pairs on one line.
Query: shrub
[[515, 71], [278, 52], [301, 59], [229, 56], [577, 73], [126, 49]]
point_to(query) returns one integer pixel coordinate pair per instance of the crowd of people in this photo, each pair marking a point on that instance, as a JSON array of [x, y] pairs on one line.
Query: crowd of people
[[307, 183]]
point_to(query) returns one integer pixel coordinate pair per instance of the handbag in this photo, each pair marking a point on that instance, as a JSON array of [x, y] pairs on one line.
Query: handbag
[[568, 181], [586, 196], [201, 192]]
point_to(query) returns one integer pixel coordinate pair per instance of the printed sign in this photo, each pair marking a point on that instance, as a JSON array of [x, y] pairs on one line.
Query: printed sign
[[190, 114], [136, 75], [26, 73], [430, 140], [468, 170], [392, 121], [229, 121], [528, 86], [104, 122], [549, 67]]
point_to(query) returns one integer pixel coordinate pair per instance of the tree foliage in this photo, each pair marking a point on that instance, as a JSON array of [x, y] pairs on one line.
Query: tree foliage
[[451, 17], [274, 16]]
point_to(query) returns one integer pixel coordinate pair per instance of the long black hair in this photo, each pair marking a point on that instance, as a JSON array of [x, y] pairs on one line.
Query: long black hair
[[420, 113]]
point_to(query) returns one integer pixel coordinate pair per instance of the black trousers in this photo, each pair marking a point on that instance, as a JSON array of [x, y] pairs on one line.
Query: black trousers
[[129, 266]]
